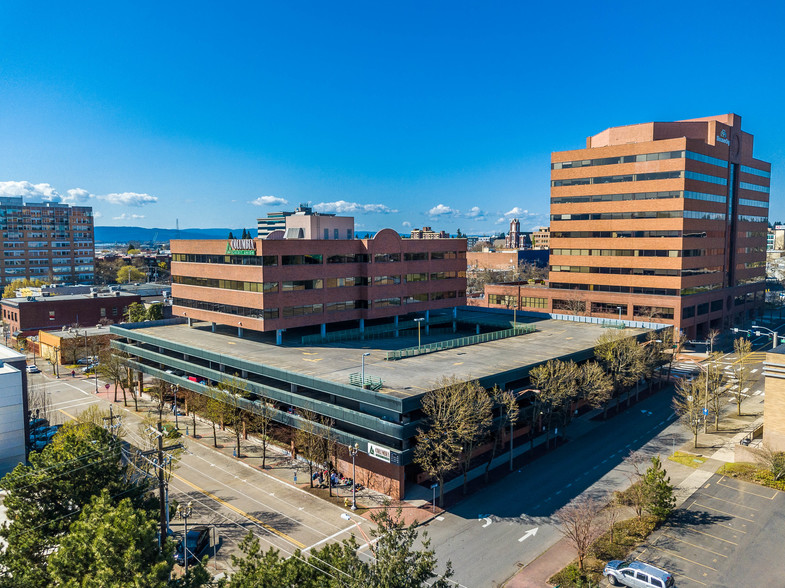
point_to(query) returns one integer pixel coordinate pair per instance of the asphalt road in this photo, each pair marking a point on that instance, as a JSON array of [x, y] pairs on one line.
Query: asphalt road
[[509, 523], [227, 495]]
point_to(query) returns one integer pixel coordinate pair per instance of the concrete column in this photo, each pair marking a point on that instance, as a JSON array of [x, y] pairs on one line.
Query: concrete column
[[189, 322], [396, 325], [478, 329], [212, 327], [324, 330], [362, 325], [240, 332], [140, 377], [427, 322], [455, 326], [455, 312], [278, 336]]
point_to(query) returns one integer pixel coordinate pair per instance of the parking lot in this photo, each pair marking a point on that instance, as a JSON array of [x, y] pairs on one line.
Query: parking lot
[[728, 533]]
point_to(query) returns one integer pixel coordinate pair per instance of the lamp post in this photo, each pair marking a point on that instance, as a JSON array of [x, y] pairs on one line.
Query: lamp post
[[619, 309], [95, 371], [531, 427], [184, 512], [774, 334], [418, 321], [362, 370], [176, 409], [353, 452]]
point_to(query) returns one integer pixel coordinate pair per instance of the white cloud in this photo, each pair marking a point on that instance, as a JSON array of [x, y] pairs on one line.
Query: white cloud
[[76, 196], [126, 216], [31, 191], [406, 224], [269, 201], [441, 210], [501, 220], [343, 207], [475, 212], [129, 199], [97, 214], [517, 211]]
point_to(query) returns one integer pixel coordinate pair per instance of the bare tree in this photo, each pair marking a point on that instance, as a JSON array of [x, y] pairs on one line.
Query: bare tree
[[440, 440], [262, 422], [774, 461], [594, 384], [477, 417], [712, 339], [232, 392], [716, 379], [622, 358], [194, 403], [508, 416], [580, 523], [558, 384], [214, 410], [572, 303], [309, 441], [688, 403], [741, 370]]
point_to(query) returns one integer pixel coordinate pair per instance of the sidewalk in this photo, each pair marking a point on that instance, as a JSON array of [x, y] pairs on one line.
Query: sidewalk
[[717, 447], [278, 461]]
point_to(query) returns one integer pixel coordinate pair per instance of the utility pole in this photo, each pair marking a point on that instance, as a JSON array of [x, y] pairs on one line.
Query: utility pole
[[112, 427], [160, 462]]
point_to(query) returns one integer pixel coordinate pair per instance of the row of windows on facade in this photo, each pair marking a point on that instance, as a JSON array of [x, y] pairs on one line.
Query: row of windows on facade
[[272, 260], [647, 177], [649, 214], [656, 157], [306, 309], [667, 195], [652, 234], [687, 291], [639, 252], [639, 271], [315, 284], [40, 271]]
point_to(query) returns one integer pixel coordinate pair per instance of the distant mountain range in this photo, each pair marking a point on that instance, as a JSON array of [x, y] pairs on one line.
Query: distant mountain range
[[122, 235], [126, 234]]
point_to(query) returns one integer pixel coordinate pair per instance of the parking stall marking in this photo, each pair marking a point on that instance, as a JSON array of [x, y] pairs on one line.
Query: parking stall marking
[[733, 503], [674, 554], [713, 536], [730, 514], [734, 488], [693, 545]]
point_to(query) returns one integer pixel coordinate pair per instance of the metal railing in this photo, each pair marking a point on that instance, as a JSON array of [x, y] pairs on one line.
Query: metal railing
[[459, 342], [371, 383], [370, 332]]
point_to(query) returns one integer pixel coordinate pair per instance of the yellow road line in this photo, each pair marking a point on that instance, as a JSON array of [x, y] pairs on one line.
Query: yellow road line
[[674, 554], [730, 514], [731, 502], [70, 416], [692, 580], [241, 513], [772, 497], [693, 545], [713, 536], [734, 529]]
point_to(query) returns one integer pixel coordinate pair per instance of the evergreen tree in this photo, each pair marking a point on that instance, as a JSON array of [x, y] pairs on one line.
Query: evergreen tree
[[658, 490], [231, 236]]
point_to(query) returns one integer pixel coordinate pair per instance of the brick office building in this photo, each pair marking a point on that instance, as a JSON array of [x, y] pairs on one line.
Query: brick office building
[[27, 316], [46, 241], [662, 220], [314, 273]]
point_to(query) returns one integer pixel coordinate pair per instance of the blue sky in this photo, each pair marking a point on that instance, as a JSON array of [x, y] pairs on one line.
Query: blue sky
[[402, 114]]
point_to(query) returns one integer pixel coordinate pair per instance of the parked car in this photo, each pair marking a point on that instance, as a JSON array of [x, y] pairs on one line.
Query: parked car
[[33, 369], [637, 575], [197, 540]]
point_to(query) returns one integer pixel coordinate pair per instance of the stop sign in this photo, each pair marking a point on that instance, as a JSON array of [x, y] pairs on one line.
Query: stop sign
[[106, 386]]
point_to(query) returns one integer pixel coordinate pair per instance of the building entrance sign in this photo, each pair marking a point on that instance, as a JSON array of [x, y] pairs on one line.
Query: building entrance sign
[[381, 453]]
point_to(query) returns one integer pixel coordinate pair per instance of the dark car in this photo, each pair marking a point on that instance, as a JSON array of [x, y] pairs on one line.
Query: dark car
[[197, 540]]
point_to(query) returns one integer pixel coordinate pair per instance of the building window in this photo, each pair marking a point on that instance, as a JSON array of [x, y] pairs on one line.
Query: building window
[[417, 256], [326, 234], [386, 280], [716, 305], [653, 312], [103, 312], [443, 255], [304, 310], [335, 234], [532, 302], [414, 298], [51, 315], [302, 285], [421, 277], [386, 257], [386, 302], [687, 312], [348, 233], [443, 275], [443, 295], [301, 259], [226, 284], [257, 313], [349, 258]]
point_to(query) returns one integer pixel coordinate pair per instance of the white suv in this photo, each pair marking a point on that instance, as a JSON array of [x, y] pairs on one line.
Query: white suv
[[637, 575]]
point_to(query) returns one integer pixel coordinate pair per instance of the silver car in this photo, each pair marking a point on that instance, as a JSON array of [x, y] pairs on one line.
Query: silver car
[[637, 575]]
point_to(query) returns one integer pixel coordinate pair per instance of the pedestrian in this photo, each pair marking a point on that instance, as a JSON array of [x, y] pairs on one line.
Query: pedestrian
[[73, 374], [295, 476]]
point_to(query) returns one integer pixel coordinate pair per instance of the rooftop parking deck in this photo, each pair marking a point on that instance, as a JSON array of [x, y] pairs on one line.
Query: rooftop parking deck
[[495, 362]]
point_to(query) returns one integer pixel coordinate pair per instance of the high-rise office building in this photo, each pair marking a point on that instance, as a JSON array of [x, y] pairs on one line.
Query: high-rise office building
[[662, 221], [47, 241]]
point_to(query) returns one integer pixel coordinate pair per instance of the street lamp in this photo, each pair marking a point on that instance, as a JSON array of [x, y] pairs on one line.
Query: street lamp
[[362, 370], [619, 309], [773, 333], [353, 452], [418, 321], [176, 408], [184, 512]]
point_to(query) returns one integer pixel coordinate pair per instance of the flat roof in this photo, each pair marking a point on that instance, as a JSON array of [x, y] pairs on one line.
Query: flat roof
[[405, 377], [62, 297]]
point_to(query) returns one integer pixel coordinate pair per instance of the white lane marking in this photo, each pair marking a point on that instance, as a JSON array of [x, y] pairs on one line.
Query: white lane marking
[[529, 533], [333, 536], [439, 518]]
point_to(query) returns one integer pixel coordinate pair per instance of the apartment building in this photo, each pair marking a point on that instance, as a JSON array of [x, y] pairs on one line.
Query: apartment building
[[46, 241], [313, 273], [663, 221]]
